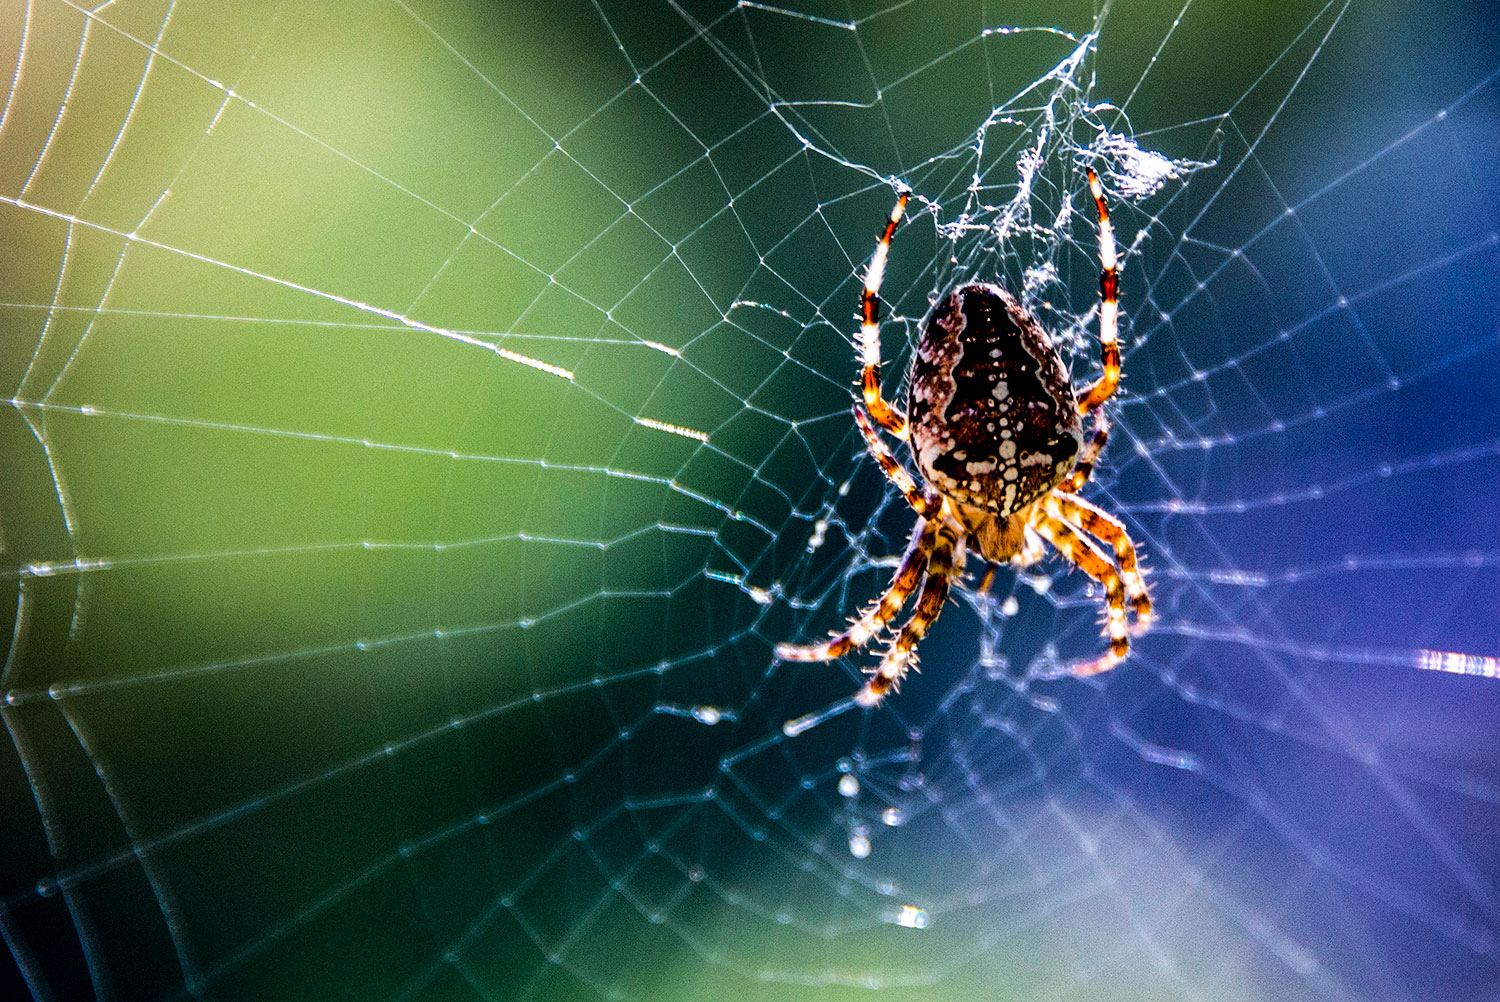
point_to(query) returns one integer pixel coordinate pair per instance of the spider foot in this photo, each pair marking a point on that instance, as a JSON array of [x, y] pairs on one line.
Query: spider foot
[[792, 652], [1118, 648], [860, 633]]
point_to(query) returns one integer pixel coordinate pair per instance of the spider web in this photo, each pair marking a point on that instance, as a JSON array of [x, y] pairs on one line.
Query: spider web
[[426, 419]]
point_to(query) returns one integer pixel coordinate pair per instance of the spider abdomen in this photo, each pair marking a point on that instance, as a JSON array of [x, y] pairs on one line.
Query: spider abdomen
[[994, 422]]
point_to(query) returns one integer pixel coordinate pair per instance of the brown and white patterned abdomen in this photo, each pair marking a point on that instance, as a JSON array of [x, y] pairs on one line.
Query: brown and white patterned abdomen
[[994, 422]]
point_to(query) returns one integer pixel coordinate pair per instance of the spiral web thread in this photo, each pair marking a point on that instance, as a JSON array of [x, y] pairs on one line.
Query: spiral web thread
[[530, 742]]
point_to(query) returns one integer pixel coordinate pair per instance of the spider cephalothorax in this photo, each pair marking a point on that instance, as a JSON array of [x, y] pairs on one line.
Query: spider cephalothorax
[[997, 434]]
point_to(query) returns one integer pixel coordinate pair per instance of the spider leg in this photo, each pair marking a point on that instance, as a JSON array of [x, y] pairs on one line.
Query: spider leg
[[1084, 467], [901, 655], [878, 613], [889, 417], [1102, 525], [1109, 306], [1032, 549], [1083, 553], [926, 503]]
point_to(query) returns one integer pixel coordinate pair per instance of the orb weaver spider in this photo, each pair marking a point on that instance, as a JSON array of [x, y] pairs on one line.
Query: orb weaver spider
[[996, 431]]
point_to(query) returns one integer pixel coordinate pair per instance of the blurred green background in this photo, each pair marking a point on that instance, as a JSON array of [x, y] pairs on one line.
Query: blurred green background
[[353, 658]]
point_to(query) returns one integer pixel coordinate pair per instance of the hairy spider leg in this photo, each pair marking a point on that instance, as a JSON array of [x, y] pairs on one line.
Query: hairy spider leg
[[889, 417], [1032, 549], [878, 613], [1082, 553], [1103, 526], [1109, 306], [1084, 468], [926, 503], [901, 656]]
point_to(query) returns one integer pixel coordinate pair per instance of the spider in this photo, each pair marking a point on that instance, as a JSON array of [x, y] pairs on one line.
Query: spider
[[996, 431]]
